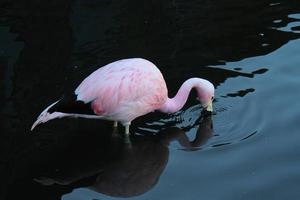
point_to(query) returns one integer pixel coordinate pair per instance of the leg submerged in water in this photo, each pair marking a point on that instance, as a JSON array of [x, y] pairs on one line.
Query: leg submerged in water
[[127, 125], [115, 124], [127, 133]]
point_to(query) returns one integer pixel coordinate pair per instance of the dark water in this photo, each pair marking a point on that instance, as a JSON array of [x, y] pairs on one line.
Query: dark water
[[249, 148]]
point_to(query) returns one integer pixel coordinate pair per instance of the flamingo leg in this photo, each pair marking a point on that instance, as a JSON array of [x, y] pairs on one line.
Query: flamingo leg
[[127, 133], [127, 125], [115, 124], [115, 129]]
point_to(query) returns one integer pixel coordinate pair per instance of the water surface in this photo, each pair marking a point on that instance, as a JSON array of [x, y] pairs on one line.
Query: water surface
[[248, 149]]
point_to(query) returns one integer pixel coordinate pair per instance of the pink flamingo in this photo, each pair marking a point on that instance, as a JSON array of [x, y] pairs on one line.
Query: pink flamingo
[[124, 90]]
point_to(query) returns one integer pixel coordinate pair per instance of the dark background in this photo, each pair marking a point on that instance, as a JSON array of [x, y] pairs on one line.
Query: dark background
[[48, 47]]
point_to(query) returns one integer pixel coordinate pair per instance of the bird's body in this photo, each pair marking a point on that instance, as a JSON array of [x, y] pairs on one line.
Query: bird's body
[[124, 90]]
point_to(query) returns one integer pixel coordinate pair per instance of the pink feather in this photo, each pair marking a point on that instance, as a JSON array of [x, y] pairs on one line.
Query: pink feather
[[124, 90], [129, 88]]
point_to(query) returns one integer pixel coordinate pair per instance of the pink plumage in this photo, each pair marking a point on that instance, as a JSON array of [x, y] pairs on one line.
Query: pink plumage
[[126, 89]]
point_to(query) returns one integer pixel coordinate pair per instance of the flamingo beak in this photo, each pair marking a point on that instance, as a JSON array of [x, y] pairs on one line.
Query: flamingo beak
[[208, 106]]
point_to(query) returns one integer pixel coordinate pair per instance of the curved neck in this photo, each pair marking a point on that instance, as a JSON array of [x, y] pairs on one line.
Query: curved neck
[[176, 103]]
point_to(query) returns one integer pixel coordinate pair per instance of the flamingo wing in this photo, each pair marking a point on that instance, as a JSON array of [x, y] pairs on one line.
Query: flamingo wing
[[133, 86]]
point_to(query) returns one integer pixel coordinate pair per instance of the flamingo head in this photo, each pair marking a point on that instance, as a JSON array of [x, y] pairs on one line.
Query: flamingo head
[[207, 104], [206, 96]]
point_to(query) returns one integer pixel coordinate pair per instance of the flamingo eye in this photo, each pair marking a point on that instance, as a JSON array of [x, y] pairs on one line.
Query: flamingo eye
[[212, 98]]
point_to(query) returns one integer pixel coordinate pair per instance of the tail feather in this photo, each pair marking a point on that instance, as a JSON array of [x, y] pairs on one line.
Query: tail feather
[[62, 108], [43, 117], [70, 104]]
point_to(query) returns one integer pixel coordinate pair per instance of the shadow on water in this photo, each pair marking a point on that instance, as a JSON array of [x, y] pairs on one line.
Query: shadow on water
[[104, 163], [47, 48]]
